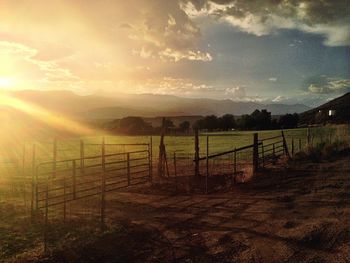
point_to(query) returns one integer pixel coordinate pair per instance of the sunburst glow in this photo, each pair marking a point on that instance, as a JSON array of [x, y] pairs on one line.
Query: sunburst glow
[[6, 82], [51, 119]]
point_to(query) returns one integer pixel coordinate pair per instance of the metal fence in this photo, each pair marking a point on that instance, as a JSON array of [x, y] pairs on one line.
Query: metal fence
[[56, 184], [271, 149]]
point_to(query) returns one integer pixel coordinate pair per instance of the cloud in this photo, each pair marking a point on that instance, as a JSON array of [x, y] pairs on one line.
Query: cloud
[[279, 98], [175, 86], [175, 55], [43, 70], [273, 79], [165, 31], [125, 26], [329, 18], [238, 92], [328, 85]]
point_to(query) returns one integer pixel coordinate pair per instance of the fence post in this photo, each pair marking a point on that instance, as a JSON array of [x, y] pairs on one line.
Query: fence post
[[46, 213], [207, 166], [33, 183], [299, 144], [54, 158], [24, 175], [175, 171], [103, 187], [308, 136], [128, 167], [82, 157], [285, 146], [74, 179], [36, 188], [196, 154], [273, 151], [64, 198], [234, 165], [263, 155], [161, 159], [292, 146], [255, 153], [149, 163], [151, 158]]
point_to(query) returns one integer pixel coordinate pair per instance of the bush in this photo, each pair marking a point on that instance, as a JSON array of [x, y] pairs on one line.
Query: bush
[[300, 156], [322, 151], [314, 153]]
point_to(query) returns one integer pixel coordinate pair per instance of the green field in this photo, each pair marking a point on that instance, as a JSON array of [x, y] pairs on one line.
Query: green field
[[16, 168], [22, 153]]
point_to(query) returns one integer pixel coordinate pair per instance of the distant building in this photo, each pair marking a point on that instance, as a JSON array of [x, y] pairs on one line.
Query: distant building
[[331, 113]]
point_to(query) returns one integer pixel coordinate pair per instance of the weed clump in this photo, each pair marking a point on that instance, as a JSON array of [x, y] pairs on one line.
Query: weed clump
[[321, 151]]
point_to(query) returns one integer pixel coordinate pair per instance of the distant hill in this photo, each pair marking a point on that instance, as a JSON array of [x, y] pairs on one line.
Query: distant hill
[[144, 105], [341, 105]]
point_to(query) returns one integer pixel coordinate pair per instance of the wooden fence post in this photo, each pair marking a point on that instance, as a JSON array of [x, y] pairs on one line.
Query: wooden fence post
[[207, 166], [234, 165], [299, 144], [128, 168], [33, 183], [285, 146], [64, 199], [74, 177], [24, 175], [150, 149], [161, 159], [263, 155], [255, 153], [175, 171], [292, 146], [308, 136], [196, 152], [46, 214], [82, 157], [103, 187], [24, 160], [36, 188], [54, 158]]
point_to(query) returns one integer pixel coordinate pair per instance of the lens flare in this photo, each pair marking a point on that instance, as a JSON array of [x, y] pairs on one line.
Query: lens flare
[[5, 82], [54, 120]]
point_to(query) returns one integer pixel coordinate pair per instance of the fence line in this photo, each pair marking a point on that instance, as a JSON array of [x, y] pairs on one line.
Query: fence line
[[96, 169]]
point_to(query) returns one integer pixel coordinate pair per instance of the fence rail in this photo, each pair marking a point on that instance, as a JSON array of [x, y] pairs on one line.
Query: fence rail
[[53, 178], [271, 149]]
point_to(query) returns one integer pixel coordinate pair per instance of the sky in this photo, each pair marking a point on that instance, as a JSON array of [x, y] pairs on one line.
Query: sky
[[282, 51]]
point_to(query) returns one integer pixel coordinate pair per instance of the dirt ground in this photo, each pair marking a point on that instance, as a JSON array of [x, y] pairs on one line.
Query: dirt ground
[[283, 215], [296, 214]]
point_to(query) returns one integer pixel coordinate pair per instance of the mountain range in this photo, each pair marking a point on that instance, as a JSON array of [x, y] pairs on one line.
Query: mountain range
[[143, 105]]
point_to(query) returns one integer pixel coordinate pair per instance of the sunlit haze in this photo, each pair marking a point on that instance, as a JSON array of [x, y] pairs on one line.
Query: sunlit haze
[[276, 51]]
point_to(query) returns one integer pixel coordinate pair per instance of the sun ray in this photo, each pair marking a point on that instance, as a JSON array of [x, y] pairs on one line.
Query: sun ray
[[54, 120]]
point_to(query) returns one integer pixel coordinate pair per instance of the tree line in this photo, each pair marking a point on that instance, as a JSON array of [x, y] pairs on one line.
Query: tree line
[[257, 120], [138, 126]]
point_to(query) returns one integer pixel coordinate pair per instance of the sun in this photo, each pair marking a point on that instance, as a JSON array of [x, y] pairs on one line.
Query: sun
[[5, 82]]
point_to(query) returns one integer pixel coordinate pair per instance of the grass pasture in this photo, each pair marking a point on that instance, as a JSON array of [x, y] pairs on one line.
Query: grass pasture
[[16, 170], [18, 159]]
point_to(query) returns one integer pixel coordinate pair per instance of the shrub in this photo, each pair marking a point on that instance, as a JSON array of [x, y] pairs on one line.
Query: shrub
[[300, 156], [314, 153], [322, 151]]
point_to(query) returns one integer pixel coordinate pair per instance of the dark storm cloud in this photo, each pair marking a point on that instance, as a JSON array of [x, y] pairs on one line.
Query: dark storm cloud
[[330, 18]]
